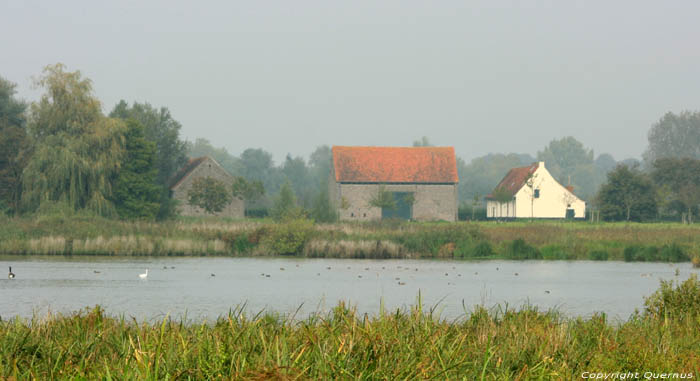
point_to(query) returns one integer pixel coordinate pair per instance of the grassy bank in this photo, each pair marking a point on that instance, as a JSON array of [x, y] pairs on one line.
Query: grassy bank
[[89, 235], [494, 344]]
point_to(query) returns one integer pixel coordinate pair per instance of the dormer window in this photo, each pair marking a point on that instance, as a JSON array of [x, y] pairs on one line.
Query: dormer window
[[537, 193]]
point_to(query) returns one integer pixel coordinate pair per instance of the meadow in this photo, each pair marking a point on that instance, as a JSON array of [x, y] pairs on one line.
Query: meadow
[[83, 234], [493, 344]]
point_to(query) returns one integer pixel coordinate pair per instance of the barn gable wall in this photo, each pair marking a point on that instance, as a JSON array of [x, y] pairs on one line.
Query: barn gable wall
[[208, 168]]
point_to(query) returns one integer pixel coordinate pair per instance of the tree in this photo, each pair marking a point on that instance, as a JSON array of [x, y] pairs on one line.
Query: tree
[[422, 142], [14, 146], [682, 179], [482, 174], [171, 152], [674, 136], [209, 194], [136, 195], [322, 209], [202, 147], [78, 150], [247, 191], [383, 199], [285, 205], [571, 164], [628, 195]]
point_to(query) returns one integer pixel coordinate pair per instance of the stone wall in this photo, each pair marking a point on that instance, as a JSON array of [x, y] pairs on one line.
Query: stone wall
[[207, 168], [432, 201]]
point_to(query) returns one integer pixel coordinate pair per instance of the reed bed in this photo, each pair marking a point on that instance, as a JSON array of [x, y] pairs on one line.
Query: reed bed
[[81, 235], [415, 343]]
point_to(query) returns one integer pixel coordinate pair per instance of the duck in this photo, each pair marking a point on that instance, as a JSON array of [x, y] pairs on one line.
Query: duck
[[10, 275], [144, 275]]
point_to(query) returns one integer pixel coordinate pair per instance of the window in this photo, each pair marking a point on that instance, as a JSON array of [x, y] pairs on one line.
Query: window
[[537, 193], [352, 214]]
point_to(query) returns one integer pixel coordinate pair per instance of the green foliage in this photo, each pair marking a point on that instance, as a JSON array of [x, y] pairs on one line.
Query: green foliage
[[674, 136], [382, 199], [500, 343], [556, 252], [136, 195], [598, 255], [679, 302], [519, 249], [289, 238], [567, 158], [502, 195], [285, 205], [171, 152], [202, 147], [681, 179], [628, 195], [651, 253], [209, 194], [247, 191], [322, 210], [78, 150], [14, 147]]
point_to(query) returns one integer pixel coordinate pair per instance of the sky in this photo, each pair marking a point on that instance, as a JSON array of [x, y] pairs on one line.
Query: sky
[[288, 76]]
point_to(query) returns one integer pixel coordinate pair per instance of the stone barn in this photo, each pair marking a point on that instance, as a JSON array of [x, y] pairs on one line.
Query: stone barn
[[421, 180], [202, 167]]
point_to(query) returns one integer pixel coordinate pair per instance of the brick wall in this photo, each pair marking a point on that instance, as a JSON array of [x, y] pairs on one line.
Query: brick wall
[[432, 201]]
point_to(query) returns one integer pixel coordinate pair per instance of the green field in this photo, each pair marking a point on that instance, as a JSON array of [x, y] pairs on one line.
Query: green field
[[89, 235], [497, 344]]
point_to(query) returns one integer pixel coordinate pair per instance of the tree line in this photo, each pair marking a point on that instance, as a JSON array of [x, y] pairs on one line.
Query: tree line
[[62, 151]]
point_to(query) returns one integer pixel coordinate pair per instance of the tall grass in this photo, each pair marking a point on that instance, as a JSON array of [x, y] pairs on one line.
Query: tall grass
[[493, 344], [89, 235]]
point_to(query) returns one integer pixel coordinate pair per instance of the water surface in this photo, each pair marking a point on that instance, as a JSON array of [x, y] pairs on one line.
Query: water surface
[[205, 288]]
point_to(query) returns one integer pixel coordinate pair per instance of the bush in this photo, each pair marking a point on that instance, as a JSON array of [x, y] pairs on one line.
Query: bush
[[673, 253], [556, 252], [675, 302], [519, 249], [473, 249], [668, 253], [630, 253], [289, 238], [598, 255]]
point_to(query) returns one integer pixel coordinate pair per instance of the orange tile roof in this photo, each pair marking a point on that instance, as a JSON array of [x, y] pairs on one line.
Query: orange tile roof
[[395, 164], [515, 179]]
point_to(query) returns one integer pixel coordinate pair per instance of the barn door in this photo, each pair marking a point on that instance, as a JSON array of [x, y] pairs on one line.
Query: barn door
[[403, 208]]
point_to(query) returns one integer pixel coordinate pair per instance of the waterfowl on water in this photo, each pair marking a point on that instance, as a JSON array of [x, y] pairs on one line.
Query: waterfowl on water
[[10, 275], [144, 275]]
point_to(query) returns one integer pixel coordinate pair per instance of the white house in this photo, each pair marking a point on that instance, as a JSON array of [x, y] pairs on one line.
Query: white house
[[532, 192]]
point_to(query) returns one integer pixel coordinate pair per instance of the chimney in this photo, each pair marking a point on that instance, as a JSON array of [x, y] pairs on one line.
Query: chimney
[[541, 164], [570, 188]]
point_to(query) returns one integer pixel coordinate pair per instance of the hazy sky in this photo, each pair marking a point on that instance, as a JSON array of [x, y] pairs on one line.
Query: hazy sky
[[287, 76]]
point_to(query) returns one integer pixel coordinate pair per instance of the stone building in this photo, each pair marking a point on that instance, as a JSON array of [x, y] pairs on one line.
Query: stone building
[[421, 180], [532, 192], [202, 167]]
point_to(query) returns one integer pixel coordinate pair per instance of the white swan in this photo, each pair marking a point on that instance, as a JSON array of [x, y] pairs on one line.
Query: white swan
[[144, 275], [11, 275]]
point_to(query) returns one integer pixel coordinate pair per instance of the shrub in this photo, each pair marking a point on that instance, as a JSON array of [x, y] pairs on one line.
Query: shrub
[[598, 255], [555, 252], [630, 253], [675, 302], [673, 253], [289, 238], [519, 249]]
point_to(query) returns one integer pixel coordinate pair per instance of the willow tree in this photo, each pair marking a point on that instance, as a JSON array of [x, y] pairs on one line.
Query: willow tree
[[78, 149]]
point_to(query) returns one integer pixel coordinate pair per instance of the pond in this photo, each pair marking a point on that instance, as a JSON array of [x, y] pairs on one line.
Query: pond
[[204, 288]]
